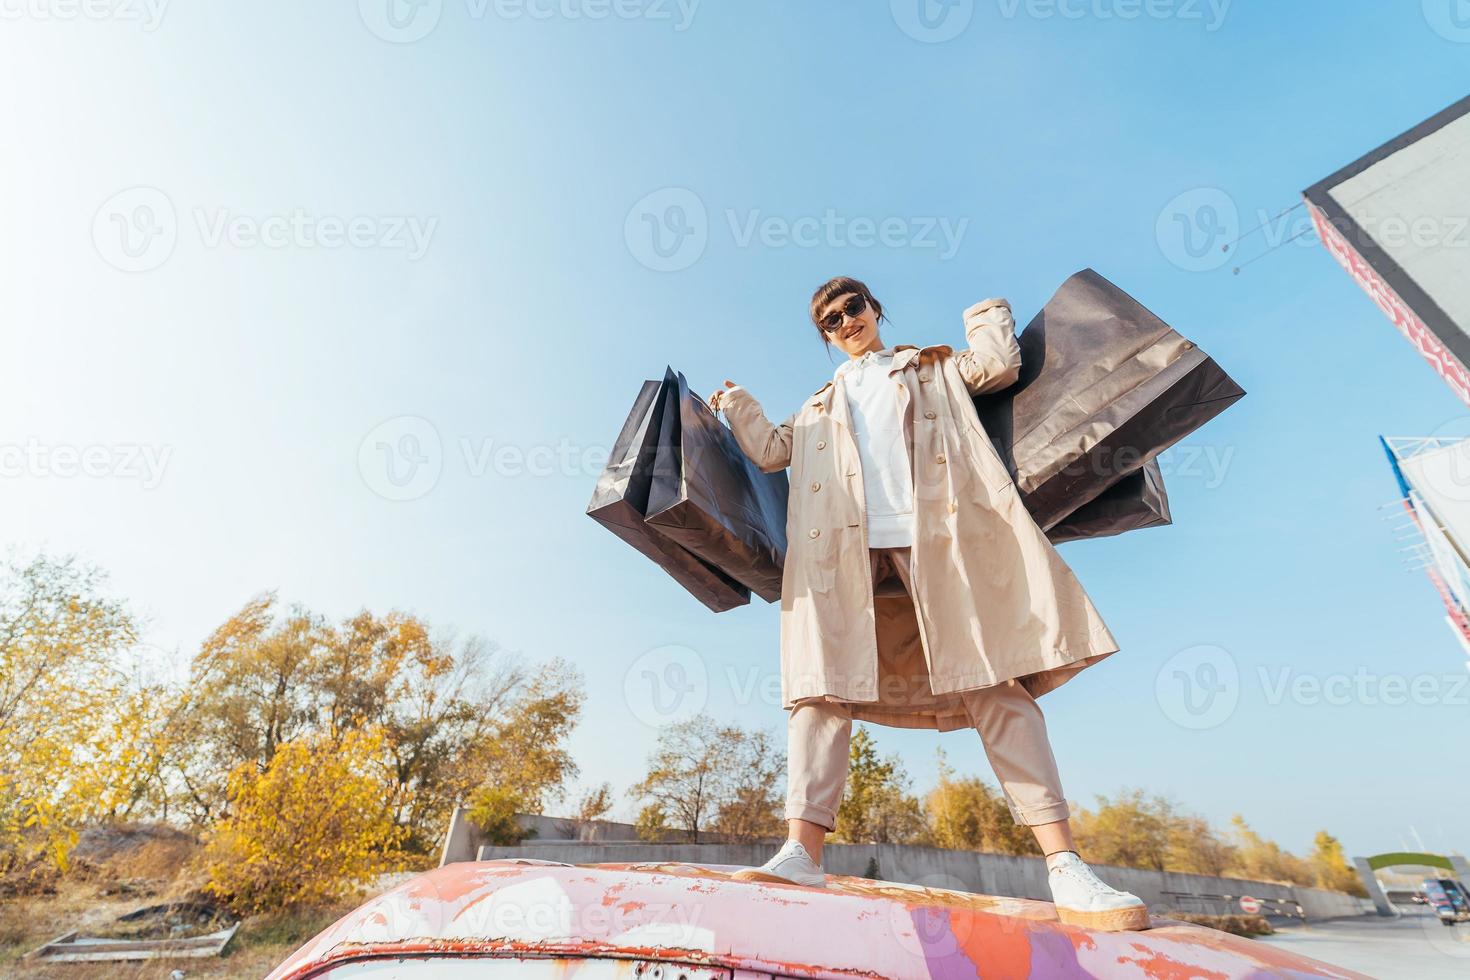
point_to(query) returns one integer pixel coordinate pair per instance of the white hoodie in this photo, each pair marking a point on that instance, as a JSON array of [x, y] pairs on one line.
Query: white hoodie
[[877, 426]]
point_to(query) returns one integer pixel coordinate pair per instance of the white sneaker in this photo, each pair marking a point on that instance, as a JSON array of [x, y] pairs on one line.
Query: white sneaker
[[792, 865], [1082, 899]]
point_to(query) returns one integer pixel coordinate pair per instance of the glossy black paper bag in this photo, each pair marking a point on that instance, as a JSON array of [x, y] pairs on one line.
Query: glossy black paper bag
[[710, 497], [1136, 501], [1105, 386], [620, 502]]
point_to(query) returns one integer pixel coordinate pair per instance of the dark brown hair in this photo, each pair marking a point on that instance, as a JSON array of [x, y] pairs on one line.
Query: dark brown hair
[[839, 286]]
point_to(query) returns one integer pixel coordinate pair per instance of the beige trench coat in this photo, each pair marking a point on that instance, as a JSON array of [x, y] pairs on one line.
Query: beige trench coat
[[994, 600]]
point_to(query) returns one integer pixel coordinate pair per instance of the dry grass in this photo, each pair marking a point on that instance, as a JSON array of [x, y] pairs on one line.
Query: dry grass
[[120, 869], [1237, 925], [26, 923]]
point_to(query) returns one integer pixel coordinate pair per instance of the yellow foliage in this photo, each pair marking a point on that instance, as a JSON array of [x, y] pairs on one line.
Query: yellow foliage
[[80, 735], [308, 830], [966, 813]]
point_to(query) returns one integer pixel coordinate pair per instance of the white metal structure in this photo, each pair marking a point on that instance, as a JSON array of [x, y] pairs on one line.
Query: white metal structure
[[1433, 474]]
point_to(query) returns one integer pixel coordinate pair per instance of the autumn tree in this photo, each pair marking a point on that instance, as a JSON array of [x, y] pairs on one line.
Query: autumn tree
[[1265, 860], [1195, 847], [1330, 865], [82, 728], [704, 775], [455, 716], [966, 813], [1130, 829], [595, 803], [877, 807], [755, 807], [494, 810]]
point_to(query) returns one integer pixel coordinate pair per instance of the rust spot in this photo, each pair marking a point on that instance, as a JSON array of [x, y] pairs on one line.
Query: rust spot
[[1155, 963]]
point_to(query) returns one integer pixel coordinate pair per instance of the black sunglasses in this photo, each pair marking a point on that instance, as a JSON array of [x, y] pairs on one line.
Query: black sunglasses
[[853, 308]]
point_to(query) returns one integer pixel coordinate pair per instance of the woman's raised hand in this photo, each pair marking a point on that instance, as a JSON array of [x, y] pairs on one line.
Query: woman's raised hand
[[714, 400]]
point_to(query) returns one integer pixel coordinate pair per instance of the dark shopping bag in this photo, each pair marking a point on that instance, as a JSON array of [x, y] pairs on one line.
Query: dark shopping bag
[[1136, 501], [708, 496], [1105, 387], [620, 501]]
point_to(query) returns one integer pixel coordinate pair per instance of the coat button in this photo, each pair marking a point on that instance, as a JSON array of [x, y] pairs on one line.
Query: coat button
[[928, 415], [816, 485], [821, 443], [813, 533], [923, 377], [953, 506], [939, 458]]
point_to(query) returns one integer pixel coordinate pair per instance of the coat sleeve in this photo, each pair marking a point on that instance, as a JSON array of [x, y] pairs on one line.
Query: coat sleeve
[[993, 361], [768, 446]]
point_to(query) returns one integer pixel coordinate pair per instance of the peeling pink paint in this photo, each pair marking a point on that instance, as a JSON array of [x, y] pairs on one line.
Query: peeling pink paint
[[698, 915]]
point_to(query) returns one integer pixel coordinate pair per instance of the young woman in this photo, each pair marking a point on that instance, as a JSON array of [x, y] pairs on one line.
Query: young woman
[[918, 592]]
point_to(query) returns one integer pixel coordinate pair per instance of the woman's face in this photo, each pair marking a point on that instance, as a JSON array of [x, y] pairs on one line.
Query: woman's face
[[855, 335]]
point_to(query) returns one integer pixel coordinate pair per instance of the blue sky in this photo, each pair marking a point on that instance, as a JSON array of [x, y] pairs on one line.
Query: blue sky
[[431, 233]]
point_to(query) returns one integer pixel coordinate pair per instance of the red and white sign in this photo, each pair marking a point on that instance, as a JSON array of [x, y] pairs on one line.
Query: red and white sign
[[1250, 906], [1389, 301]]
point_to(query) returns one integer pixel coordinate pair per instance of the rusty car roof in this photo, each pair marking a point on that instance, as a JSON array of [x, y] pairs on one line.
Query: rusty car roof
[[697, 914]]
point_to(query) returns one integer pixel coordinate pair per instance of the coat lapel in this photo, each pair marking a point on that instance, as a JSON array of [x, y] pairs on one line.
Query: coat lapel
[[832, 399]]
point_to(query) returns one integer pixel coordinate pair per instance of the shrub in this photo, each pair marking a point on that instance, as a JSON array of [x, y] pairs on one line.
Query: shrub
[[493, 809], [306, 831]]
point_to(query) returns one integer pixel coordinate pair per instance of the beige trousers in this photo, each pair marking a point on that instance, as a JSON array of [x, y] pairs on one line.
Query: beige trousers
[[1007, 717]]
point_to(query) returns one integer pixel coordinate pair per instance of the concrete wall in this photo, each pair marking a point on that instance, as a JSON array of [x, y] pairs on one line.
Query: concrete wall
[[990, 874]]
